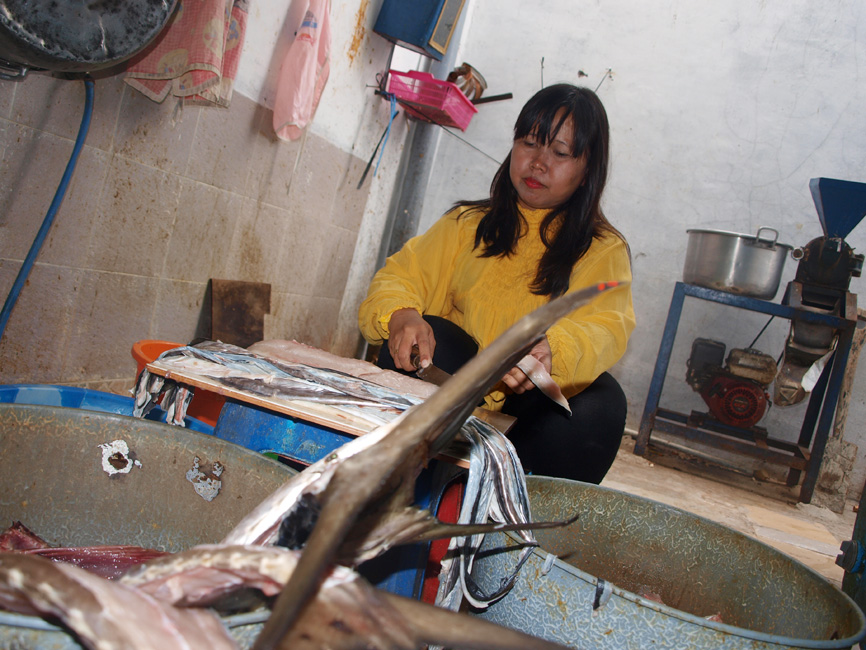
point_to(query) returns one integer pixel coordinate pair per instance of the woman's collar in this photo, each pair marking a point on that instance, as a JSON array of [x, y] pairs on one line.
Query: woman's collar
[[534, 215]]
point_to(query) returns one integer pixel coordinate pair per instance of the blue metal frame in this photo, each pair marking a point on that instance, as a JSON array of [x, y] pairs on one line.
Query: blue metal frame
[[822, 403]]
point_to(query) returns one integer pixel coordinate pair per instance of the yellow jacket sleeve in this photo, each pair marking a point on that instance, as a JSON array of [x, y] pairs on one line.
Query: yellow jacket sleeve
[[418, 276]]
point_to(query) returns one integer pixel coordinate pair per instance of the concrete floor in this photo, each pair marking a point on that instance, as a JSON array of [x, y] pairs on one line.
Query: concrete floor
[[808, 533]]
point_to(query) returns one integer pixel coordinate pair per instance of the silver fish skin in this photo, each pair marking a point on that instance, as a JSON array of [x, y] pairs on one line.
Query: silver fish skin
[[406, 446], [104, 613], [538, 375], [233, 357], [496, 489], [261, 524]]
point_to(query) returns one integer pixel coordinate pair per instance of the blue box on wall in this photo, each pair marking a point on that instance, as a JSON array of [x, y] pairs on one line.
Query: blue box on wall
[[423, 26]]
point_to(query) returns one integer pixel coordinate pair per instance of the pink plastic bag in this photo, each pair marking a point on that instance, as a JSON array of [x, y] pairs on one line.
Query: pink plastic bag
[[304, 73]]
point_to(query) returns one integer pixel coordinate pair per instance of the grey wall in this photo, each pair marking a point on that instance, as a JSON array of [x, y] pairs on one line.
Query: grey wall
[[721, 112]]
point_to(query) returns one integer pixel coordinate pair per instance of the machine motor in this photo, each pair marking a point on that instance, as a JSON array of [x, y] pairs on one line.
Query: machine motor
[[736, 392]]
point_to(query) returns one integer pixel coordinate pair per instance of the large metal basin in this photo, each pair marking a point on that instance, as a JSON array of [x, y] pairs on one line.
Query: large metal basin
[[52, 479], [698, 568]]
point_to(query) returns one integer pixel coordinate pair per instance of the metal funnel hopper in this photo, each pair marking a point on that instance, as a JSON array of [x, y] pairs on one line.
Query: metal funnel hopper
[[841, 205]]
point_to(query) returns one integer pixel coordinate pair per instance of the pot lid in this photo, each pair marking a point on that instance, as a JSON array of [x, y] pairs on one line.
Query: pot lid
[[841, 205]]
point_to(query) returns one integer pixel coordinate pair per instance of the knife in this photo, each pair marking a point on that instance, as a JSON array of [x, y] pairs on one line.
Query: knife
[[431, 373], [434, 375]]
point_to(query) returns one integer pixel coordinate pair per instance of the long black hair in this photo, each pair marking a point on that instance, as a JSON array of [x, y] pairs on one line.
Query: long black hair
[[582, 218]]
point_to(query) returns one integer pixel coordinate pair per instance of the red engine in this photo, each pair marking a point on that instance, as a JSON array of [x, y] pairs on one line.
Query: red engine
[[736, 393], [734, 401]]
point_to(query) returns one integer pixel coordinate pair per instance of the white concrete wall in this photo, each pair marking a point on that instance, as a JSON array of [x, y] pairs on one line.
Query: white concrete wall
[[721, 112]]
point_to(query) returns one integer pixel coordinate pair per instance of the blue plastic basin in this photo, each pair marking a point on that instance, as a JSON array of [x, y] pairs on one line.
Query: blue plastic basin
[[84, 398]]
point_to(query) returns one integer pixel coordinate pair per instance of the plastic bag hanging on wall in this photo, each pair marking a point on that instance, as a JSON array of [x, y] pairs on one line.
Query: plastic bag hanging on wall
[[304, 73]]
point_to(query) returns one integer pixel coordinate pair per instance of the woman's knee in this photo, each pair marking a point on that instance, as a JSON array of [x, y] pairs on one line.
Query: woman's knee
[[582, 446], [604, 400]]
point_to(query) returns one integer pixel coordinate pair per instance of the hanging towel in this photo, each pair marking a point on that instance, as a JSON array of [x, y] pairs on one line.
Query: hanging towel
[[304, 73], [197, 55]]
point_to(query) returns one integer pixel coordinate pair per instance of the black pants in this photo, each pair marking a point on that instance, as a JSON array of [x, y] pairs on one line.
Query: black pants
[[548, 441]]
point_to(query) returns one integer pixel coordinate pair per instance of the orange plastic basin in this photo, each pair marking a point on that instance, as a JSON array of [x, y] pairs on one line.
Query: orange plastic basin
[[205, 405]]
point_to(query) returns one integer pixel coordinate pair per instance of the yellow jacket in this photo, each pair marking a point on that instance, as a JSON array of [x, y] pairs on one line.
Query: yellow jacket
[[439, 273]]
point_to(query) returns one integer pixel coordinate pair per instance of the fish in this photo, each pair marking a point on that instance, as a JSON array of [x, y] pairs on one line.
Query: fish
[[105, 613], [496, 485], [296, 352], [110, 561], [172, 602], [231, 357], [539, 376], [376, 474], [345, 612], [18, 537], [237, 368]]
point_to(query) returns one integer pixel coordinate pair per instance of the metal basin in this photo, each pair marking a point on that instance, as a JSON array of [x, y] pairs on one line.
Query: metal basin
[[623, 545], [53, 480]]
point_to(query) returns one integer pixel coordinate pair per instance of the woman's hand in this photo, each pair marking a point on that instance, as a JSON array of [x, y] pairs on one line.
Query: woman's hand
[[517, 380], [406, 329]]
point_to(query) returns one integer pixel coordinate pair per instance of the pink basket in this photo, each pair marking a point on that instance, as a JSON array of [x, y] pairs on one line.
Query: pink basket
[[430, 99]]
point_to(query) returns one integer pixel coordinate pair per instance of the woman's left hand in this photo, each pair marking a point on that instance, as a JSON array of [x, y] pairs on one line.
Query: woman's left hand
[[517, 380]]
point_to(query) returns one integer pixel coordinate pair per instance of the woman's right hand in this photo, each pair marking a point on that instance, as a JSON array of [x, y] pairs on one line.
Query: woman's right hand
[[406, 329]]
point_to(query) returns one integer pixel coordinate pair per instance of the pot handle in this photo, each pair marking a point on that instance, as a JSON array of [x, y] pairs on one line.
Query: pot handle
[[768, 241]]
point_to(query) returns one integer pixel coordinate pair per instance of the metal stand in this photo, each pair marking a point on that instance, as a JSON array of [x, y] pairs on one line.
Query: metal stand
[[807, 454]]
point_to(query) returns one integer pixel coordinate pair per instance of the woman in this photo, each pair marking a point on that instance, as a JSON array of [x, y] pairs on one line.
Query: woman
[[487, 263]]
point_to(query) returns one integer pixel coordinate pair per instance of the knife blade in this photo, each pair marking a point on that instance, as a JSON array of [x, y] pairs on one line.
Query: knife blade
[[434, 375], [431, 373]]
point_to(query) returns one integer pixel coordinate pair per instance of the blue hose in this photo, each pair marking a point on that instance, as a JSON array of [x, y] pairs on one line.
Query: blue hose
[[12, 298]]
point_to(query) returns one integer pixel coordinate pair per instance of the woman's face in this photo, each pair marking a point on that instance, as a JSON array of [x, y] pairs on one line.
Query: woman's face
[[546, 175]]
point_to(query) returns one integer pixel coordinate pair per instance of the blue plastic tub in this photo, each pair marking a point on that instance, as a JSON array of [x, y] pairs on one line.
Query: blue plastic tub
[[402, 569], [86, 399]]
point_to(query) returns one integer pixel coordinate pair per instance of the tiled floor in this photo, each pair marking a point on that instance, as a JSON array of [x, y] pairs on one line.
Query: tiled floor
[[809, 533]]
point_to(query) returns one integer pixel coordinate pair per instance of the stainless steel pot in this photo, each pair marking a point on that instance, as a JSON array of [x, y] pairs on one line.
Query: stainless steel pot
[[743, 264]]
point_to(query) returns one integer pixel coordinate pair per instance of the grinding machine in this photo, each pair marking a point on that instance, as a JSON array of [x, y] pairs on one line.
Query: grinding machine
[[739, 386]]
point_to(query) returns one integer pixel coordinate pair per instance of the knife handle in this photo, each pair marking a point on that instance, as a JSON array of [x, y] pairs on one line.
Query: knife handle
[[415, 357]]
